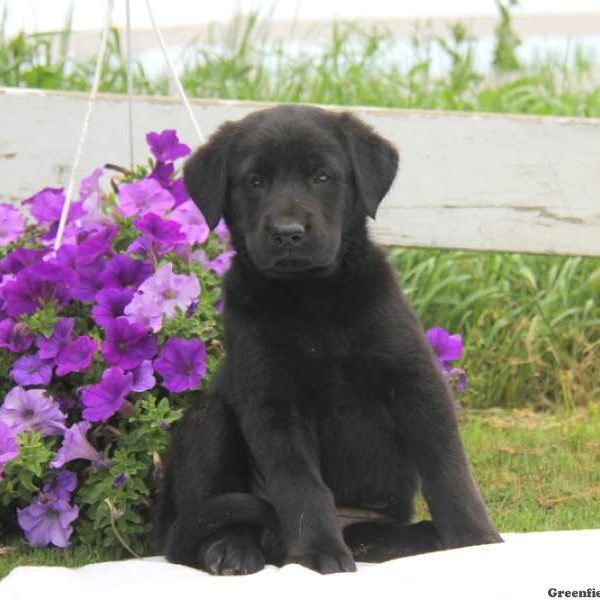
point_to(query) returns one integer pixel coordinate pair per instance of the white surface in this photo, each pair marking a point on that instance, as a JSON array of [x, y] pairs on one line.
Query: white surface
[[466, 180], [525, 567]]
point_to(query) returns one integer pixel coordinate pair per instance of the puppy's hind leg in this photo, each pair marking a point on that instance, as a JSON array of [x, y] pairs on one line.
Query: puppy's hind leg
[[378, 541]]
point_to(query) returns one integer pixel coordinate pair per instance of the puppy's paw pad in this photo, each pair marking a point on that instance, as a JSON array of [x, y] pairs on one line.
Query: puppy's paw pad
[[234, 557]]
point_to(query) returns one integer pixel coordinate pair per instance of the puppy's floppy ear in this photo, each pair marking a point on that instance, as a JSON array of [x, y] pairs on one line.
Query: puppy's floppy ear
[[205, 174], [374, 161]]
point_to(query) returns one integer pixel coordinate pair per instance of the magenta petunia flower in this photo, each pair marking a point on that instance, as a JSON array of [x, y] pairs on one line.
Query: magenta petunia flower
[[143, 377], [104, 399], [161, 232], [37, 285], [193, 224], [9, 447], [165, 146], [61, 336], [75, 445], [31, 370], [141, 197], [14, 336], [32, 410], [63, 484], [47, 520], [123, 272], [182, 364], [110, 304], [12, 224], [127, 344], [75, 356]]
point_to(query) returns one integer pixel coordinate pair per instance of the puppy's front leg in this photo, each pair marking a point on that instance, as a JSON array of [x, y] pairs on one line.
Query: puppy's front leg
[[284, 451], [424, 414]]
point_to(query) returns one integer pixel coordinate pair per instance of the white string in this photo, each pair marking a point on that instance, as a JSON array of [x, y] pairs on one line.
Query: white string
[[86, 121], [174, 76], [129, 84]]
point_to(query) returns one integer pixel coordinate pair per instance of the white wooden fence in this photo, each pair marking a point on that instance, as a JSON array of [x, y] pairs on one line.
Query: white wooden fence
[[467, 181]]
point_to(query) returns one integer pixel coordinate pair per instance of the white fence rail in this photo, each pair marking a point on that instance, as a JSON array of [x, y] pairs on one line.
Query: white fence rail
[[467, 181]]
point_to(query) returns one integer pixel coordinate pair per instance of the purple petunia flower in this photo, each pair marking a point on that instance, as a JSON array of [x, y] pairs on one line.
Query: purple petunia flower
[[46, 205], [12, 224], [220, 264], [20, 258], [88, 283], [32, 410], [163, 172], [47, 520], [75, 445], [222, 231], [97, 245], [143, 196], [179, 191], [104, 399], [9, 447], [127, 344], [120, 480], [448, 348], [37, 285], [165, 146], [143, 377], [62, 485], [31, 370], [182, 364], [61, 336], [75, 356], [124, 272], [110, 304], [193, 224], [14, 336], [161, 232]]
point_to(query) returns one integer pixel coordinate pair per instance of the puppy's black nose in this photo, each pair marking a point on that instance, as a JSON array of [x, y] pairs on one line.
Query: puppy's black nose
[[288, 234]]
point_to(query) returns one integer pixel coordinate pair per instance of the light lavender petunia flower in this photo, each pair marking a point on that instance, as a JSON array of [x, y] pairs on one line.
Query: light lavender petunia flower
[[32, 410]]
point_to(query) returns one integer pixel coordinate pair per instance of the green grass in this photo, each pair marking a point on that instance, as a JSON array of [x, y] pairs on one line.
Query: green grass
[[531, 324], [537, 471]]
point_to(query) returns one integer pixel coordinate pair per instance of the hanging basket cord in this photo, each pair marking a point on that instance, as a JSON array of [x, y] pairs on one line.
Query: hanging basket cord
[[94, 93], [86, 122]]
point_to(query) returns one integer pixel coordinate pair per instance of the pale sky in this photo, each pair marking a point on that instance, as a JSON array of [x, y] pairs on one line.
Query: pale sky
[[40, 15]]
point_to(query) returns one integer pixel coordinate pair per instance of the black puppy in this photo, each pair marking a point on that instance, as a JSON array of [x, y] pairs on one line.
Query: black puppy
[[329, 406]]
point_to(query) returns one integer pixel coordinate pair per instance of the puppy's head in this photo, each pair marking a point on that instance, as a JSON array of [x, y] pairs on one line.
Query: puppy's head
[[291, 182]]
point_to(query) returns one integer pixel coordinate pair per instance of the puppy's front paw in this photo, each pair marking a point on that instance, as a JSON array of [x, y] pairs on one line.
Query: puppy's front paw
[[324, 558], [233, 556]]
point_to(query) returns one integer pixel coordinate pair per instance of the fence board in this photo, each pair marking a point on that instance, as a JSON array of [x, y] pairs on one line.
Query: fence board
[[467, 181]]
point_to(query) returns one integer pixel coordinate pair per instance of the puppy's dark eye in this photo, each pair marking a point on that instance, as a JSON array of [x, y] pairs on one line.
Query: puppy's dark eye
[[320, 177], [257, 181]]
